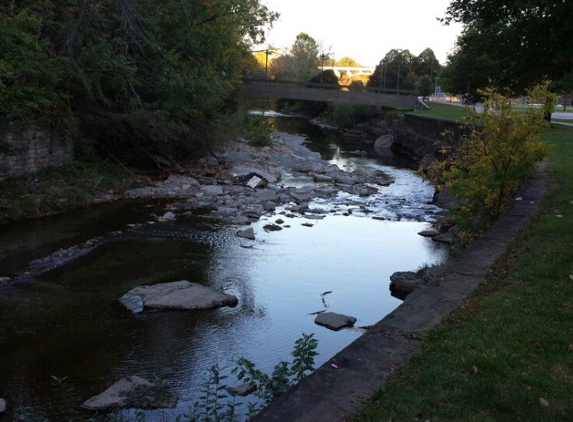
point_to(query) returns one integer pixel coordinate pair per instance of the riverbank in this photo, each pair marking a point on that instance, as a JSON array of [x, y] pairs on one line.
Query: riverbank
[[507, 353], [504, 353]]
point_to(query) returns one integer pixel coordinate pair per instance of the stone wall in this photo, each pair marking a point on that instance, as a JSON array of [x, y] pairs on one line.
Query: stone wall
[[24, 151], [417, 136]]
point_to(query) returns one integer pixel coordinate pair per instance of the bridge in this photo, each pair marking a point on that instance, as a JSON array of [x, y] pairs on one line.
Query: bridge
[[392, 98], [349, 70]]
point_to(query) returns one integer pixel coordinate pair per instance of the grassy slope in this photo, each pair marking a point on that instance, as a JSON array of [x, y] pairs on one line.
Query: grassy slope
[[508, 353]]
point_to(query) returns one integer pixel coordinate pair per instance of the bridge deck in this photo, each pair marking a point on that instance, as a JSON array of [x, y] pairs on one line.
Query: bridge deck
[[328, 93]]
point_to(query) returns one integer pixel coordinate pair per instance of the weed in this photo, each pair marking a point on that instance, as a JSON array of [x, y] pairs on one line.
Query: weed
[[257, 130]]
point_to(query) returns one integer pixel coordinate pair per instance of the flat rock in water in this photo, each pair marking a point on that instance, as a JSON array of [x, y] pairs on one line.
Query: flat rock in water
[[131, 392], [334, 321], [183, 295], [2, 405]]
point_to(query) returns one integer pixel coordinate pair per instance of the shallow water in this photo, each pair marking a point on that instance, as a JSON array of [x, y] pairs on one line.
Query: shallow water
[[68, 323]]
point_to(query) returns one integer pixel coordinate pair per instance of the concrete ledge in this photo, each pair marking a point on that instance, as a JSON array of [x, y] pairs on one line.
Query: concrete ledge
[[337, 389]]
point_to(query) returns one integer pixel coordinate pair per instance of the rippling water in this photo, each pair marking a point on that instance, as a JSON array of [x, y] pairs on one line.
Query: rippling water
[[67, 323]]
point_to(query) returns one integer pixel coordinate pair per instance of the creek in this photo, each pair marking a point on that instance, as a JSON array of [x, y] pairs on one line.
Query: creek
[[67, 322]]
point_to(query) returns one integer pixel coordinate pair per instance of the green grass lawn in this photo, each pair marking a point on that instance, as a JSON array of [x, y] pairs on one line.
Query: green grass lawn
[[444, 111], [507, 354]]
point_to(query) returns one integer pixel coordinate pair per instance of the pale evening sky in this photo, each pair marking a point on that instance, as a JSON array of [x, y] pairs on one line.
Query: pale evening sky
[[364, 30]]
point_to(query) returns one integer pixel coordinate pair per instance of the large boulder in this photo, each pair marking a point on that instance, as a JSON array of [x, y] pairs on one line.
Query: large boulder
[[132, 392], [182, 295]]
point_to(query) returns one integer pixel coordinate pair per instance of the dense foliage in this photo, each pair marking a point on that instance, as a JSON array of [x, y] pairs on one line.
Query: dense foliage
[[511, 44], [153, 75], [485, 169], [400, 69], [300, 63]]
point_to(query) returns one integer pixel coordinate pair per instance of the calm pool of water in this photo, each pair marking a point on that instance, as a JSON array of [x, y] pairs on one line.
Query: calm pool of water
[[68, 322]]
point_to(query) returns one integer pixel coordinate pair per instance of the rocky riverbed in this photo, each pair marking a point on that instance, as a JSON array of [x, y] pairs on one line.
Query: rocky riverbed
[[242, 184]]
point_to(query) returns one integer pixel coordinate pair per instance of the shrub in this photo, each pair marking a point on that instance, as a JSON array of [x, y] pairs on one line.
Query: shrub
[[485, 169]]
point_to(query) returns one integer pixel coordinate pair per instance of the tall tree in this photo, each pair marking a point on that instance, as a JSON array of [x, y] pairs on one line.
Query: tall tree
[[393, 70], [301, 62], [151, 73], [525, 41]]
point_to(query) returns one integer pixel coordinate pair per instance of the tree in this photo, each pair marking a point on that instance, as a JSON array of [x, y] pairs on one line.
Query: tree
[[525, 41], [302, 61], [348, 62], [467, 70], [426, 64], [399, 69], [152, 75], [425, 86]]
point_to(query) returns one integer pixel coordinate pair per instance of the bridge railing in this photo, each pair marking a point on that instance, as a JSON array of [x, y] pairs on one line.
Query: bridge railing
[[318, 85]]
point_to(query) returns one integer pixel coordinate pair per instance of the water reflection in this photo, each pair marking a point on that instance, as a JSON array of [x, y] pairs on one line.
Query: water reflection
[[67, 322]]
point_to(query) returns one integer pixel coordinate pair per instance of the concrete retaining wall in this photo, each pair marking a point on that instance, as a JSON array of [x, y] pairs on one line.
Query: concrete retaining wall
[[416, 135], [24, 151]]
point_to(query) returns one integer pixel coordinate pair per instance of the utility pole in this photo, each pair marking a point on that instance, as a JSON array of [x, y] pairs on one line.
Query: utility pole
[[267, 52]]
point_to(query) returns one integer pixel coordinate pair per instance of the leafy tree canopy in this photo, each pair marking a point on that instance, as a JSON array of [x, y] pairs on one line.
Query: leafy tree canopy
[[400, 69], [348, 61], [514, 43], [148, 72], [301, 63]]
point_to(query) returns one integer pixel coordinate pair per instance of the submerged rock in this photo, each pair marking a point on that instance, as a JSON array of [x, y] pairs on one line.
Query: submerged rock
[[334, 321], [2, 406], [132, 392], [182, 295]]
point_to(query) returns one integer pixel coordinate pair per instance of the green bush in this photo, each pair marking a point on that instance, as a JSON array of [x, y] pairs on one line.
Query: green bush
[[484, 170], [257, 130]]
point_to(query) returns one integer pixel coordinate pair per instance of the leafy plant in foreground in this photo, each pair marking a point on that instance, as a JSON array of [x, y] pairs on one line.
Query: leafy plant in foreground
[[285, 374]]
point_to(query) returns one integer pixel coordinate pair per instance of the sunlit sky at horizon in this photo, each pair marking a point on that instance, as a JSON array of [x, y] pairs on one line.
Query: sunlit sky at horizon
[[364, 30]]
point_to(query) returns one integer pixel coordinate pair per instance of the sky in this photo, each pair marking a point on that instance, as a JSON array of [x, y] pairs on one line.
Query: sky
[[364, 30]]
